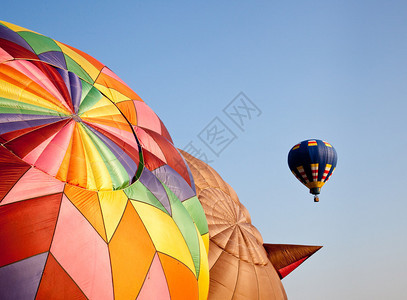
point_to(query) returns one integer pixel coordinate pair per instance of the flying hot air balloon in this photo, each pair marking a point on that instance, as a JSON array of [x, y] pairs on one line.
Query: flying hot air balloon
[[313, 162]]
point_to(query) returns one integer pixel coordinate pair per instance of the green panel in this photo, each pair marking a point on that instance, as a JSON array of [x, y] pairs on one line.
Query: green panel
[[137, 191], [39, 43], [197, 214], [74, 67], [118, 174], [90, 96], [186, 226], [8, 106]]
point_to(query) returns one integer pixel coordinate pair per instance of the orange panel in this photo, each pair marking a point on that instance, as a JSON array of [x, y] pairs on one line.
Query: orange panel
[[88, 204], [56, 283], [181, 281], [111, 121], [131, 253], [128, 110], [112, 83], [77, 173]]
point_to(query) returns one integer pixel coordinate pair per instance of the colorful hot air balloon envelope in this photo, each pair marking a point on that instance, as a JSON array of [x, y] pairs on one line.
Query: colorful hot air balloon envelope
[[95, 200], [313, 162]]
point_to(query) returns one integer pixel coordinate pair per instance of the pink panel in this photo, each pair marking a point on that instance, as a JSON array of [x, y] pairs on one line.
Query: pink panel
[[126, 136], [155, 285], [36, 75], [33, 184], [148, 143], [146, 117], [56, 149], [32, 157], [4, 56], [82, 253]]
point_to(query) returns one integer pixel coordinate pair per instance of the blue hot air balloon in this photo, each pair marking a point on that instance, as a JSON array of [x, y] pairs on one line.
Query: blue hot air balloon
[[313, 162]]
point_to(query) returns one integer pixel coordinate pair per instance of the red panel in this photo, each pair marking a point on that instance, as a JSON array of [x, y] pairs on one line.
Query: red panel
[[26, 227], [174, 159], [56, 284], [283, 272], [54, 76], [151, 161], [8, 136], [12, 168], [28, 142], [165, 133], [16, 50]]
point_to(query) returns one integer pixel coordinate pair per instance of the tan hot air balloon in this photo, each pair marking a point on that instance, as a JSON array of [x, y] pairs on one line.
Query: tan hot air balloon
[[239, 265]]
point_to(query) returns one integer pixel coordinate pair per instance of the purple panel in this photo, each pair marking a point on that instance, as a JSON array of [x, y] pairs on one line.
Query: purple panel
[[156, 188], [129, 164], [191, 179], [76, 90], [55, 58], [20, 280], [10, 35], [12, 122], [174, 182]]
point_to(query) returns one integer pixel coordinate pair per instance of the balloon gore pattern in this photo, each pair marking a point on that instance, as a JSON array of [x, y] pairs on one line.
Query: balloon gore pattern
[[238, 262], [95, 201]]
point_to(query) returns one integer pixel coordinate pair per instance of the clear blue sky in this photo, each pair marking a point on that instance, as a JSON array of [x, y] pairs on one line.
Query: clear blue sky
[[334, 70]]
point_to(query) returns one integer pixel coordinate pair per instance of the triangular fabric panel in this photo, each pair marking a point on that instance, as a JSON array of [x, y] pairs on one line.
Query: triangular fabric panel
[[131, 253], [155, 285], [283, 255], [12, 168], [34, 183], [56, 283], [82, 253], [20, 280]]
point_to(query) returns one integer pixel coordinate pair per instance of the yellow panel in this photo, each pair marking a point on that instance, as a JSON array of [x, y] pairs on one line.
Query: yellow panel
[[203, 277], [205, 239], [112, 204], [112, 94], [84, 63], [104, 107], [15, 27], [164, 233], [96, 168], [13, 92], [314, 184]]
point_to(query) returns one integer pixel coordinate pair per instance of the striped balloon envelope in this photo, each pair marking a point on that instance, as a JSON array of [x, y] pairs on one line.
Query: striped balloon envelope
[[312, 162], [95, 200]]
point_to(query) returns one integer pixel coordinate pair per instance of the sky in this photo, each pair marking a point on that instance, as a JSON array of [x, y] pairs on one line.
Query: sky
[[331, 70]]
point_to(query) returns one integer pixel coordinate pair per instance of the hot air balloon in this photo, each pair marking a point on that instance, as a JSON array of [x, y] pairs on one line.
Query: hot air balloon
[[312, 162], [239, 264], [95, 200]]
